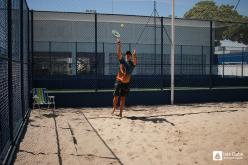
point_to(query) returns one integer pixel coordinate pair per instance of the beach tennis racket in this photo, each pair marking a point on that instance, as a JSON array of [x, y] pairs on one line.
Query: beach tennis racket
[[116, 33]]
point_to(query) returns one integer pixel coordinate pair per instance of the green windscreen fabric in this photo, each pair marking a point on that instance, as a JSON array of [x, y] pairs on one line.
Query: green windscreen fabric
[[41, 95]]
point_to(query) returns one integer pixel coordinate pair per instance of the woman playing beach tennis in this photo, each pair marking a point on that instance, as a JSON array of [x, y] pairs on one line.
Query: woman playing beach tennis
[[121, 87]]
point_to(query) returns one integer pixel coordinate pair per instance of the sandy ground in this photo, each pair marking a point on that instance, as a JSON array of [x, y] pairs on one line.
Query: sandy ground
[[151, 135]]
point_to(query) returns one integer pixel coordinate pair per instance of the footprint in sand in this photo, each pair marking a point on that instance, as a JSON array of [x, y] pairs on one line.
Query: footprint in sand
[[132, 155], [158, 156], [152, 146], [155, 131], [143, 149], [129, 141], [111, 139]]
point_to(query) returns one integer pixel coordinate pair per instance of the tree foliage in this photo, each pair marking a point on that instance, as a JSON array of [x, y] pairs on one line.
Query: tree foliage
[[232, 25]]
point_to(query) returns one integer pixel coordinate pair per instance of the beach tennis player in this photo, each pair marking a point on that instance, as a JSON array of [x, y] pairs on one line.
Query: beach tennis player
[[121, 87]]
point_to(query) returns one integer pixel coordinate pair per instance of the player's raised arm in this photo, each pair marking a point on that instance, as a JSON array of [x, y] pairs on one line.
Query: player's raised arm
[[118, 48], [134, 57]]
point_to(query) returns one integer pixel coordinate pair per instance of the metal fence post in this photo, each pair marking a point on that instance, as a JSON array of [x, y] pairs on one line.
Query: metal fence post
[[155, 42], [202, 59], [96, 60], [181, 59], [50, 58], [76, 57], [223, 62], [242, 63], [21, 58], [162, 52], [28, 64], [10, 90], [32, 48], [103, 49], [211, 55]]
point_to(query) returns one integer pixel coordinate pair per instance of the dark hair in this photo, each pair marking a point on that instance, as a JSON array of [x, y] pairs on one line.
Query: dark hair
[[128, 52]]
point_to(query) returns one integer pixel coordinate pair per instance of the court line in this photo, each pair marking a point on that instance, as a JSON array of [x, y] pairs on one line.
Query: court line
[[102, 140]]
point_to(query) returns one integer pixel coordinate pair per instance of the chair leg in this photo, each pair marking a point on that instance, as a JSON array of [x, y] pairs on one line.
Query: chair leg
[[39, 108], [52, 109]]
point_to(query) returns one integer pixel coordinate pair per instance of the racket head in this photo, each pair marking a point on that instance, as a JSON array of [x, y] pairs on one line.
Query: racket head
[[116, 33]]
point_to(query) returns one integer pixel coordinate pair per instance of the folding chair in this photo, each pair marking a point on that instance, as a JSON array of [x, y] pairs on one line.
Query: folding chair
[[40, 97]]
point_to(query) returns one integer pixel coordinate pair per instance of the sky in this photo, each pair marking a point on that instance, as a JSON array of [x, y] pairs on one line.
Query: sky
[[130, 7]]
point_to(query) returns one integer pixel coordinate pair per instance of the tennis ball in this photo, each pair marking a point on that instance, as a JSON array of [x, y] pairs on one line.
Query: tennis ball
[[122, 25]]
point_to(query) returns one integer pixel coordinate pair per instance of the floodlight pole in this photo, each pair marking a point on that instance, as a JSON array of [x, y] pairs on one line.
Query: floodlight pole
[[172, 50]]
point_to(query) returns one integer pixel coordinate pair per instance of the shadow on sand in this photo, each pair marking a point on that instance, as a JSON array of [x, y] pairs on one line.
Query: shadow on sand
[[149, 119]]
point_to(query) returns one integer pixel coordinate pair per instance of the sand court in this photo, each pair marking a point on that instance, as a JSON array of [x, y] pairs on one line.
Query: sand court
[[179, 134]]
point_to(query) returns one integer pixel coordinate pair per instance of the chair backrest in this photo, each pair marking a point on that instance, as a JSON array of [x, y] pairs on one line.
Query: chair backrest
[[42, 95]]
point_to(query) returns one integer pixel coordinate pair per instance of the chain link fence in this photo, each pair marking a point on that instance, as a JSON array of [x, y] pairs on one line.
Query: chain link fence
[[15, 24], [80, 49], [231, 51]]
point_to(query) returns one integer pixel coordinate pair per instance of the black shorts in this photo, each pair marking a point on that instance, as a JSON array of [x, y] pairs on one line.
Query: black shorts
[[121, 89]]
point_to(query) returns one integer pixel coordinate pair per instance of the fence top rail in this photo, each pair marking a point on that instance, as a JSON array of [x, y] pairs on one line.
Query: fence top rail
[[144, 16], [126, 43]]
